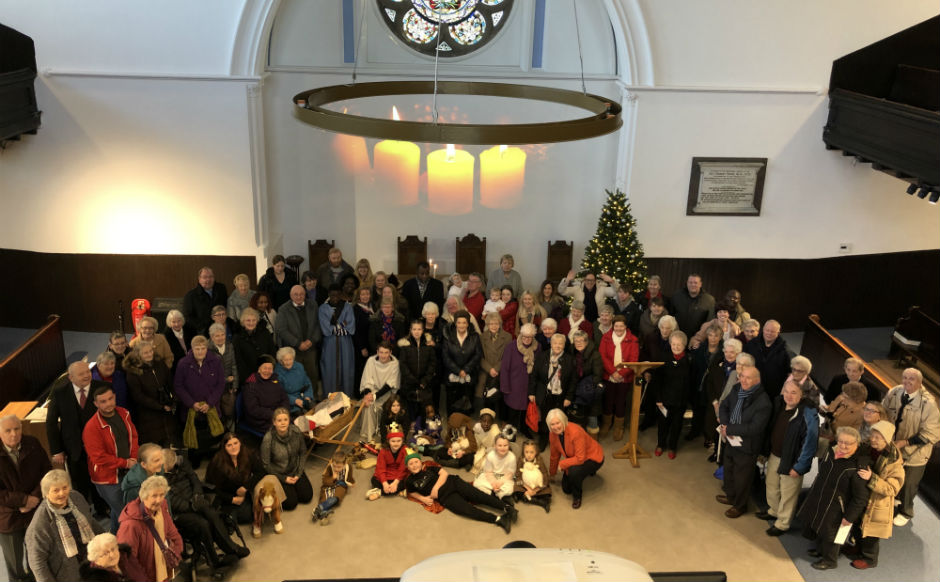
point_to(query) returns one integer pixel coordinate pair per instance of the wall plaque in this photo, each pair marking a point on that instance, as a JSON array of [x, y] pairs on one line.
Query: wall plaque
[[726, 186]]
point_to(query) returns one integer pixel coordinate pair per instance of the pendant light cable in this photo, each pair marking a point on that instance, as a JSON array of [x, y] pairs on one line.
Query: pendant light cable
[[577, 30]]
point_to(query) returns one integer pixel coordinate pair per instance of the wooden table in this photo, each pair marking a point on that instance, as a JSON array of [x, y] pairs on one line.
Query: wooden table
[[632, 449]]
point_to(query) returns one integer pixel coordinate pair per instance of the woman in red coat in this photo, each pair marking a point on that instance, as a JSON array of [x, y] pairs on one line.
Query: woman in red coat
[[617, 346], [583, 456], [145, 525]]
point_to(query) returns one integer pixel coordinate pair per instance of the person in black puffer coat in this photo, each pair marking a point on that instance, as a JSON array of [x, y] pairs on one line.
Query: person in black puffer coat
[[417, 363], [462, 353], [838, 497], [670, 385]]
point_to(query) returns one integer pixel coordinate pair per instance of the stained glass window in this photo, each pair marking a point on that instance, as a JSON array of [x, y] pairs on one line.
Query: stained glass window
[[463, 25]]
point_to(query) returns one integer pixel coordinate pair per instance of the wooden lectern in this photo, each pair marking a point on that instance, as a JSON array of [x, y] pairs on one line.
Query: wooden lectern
[[632, 449]]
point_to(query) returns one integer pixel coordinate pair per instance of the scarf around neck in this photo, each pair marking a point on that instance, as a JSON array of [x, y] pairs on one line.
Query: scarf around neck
[[528, 353], [65, 532]]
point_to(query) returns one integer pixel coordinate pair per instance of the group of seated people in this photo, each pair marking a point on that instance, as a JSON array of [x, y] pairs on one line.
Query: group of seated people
[[230, 373]]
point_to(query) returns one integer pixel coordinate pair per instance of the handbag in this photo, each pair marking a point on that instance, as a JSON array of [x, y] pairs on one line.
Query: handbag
[[227, 403], [587, 391], [532, 416], [171, 558]]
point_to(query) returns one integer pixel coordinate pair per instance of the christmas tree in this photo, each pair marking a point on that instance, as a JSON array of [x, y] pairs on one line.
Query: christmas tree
[[615, 248]]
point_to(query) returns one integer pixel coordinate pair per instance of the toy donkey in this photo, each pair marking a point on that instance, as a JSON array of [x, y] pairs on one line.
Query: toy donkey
[[268, 495]]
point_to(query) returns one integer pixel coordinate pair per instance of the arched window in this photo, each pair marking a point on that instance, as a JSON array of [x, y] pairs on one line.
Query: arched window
[[463, 25]]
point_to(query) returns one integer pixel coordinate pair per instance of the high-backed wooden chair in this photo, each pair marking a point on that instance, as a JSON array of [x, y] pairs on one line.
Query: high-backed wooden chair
[[411, 251], [471, 255], [318, 252], [560, 259]]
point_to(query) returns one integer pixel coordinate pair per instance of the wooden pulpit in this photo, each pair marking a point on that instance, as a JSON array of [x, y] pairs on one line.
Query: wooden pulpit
[[632, 449]]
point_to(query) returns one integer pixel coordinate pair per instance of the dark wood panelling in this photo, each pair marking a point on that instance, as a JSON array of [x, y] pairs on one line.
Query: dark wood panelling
[[85, 288], [28, 371], [852, 291]]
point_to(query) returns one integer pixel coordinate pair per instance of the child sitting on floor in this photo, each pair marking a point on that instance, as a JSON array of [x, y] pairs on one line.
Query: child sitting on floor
[[390, 467], [532, 482], [426, 432], [393, 412], [499, 470], [337, 479], [485, 433]]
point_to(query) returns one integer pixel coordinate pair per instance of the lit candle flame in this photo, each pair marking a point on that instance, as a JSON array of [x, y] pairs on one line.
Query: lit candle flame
[[395, 115], [451, 152]]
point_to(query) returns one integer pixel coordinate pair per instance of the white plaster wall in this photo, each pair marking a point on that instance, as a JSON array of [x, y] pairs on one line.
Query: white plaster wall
[[813, 199], [780, 43], [111, 152], [144, 144], [170, 36]]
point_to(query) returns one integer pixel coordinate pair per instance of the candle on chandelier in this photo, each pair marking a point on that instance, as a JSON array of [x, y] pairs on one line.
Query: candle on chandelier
[[396, 168], [502, 176], [450, 181]]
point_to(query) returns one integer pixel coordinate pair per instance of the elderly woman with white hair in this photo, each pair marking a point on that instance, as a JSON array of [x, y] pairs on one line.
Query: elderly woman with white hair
[[109, 561], [574, 452], [178, 335], [750, 329], [106, 370], [546, 330], [294, 380], [800, 367], [61, 527], [515, 367], [148, 529], [494, 340], [147, 332], [551, 383], [720, 377], [655, 348]]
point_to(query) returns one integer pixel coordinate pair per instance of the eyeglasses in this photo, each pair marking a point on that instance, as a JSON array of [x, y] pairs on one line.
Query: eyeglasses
[[847, 443], [872, 410]]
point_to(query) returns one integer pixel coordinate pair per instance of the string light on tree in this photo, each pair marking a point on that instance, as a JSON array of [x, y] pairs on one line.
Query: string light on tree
[[615, 248]]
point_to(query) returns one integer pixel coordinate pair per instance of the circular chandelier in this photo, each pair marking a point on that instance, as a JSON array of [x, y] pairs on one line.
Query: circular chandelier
[[604, 118]]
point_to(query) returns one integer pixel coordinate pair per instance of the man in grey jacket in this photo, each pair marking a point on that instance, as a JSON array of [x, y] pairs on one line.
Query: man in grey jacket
[[298, 327]]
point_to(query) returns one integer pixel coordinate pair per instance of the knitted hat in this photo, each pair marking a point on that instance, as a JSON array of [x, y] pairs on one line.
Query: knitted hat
[[885, 428], [577, 304], [414, 455], [265, 359], [488, 411]]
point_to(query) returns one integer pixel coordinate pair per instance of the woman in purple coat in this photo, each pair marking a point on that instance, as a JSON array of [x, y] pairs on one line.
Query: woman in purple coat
[[199, 383], [515, 368]]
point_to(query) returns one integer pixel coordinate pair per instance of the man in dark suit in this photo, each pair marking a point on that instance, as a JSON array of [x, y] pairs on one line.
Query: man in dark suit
[[298, 327], [421, 289], [743, 415], [199, 301], [70, 407]]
